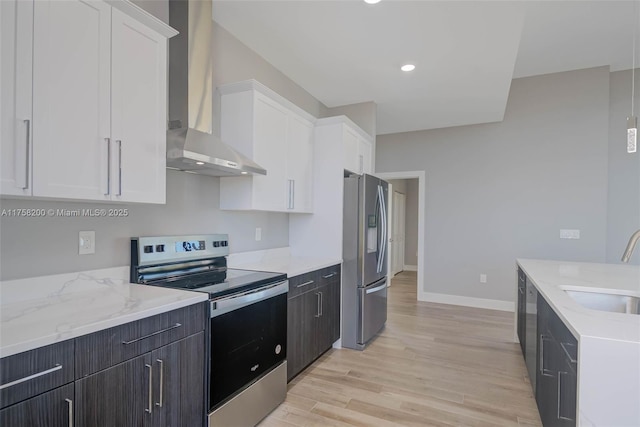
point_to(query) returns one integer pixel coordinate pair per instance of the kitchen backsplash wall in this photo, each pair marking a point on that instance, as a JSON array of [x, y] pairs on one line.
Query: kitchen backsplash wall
[[41, 246], [503, 190]]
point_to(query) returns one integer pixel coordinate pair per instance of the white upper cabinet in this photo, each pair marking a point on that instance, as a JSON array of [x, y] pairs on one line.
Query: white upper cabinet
[[16, 48], [356, 145], [98, 130], [278, 136], [138, 110]]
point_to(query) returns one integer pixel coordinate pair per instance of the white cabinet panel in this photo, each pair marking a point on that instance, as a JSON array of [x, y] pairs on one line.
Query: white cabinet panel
[[277, 136], [365, 150], [351, 151], [270, 144], [138, 111], [16, 37], [71, 99], [300, 165]]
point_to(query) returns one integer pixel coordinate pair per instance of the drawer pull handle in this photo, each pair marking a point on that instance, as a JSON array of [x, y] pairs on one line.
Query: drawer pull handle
[[177, 325], [30, 377], [328, 276], [305, 284], [70, 405]]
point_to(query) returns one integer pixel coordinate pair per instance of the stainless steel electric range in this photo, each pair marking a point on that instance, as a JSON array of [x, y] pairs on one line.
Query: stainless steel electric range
[[247, 372]]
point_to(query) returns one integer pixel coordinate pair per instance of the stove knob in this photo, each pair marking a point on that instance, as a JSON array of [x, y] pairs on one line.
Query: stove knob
[[216, 244], [224, 243], [148, 249], [278, 349], [159, 248]]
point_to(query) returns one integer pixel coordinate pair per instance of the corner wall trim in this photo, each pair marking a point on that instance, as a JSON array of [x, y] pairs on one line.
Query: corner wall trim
[[410, 267], [490, 304]]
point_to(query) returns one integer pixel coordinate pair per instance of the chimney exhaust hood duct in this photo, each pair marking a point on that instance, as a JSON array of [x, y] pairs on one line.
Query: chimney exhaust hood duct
[[191, 146]]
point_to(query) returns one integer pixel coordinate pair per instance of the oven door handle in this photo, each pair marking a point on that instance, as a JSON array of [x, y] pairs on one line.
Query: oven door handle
[[225, 305]]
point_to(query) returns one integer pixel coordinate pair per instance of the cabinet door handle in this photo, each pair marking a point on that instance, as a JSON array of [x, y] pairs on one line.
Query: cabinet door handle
[[361, 159], [543, 371], [108, 140], [119, 141], [30, 377], [318, 307], [27, 122], [177, 325], [571, 359], [328, 276], [70, 405], [305, 284], [161, 382], [560, 417], [321, 304], [291, 197], [149, 408]]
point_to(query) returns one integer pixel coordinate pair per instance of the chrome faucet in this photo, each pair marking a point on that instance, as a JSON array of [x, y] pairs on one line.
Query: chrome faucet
[[631, 246]]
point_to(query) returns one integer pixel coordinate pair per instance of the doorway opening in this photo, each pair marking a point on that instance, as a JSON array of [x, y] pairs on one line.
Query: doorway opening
[[412, 259]]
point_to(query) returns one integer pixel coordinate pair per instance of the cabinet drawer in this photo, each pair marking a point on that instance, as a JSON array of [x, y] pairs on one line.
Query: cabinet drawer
[[329, 275], [51, 409], [303, 283], [33, 372], [103, 349]]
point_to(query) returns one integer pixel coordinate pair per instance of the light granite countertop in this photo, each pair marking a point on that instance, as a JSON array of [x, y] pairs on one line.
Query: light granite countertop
[[39, 311], [279, 260]]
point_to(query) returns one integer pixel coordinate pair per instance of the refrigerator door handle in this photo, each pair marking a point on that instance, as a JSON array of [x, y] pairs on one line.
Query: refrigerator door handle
[[383, 226], [383, 251], [376, 289]]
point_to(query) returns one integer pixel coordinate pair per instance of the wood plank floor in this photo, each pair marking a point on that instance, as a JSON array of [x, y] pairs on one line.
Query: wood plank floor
[[432, 365]]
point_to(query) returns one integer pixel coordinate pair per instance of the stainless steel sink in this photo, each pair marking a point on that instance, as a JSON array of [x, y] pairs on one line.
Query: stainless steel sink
[[606, 302]]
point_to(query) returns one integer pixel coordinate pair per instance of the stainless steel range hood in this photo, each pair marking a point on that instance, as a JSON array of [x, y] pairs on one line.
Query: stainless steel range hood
[[191, 146]]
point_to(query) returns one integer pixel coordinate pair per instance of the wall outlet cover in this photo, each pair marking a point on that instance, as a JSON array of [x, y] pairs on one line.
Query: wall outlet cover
[[483, 278], [569, 234], [86, 242], [258, 234]]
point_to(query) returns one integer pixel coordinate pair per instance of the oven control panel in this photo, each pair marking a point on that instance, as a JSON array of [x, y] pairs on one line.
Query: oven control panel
[[156, 250]]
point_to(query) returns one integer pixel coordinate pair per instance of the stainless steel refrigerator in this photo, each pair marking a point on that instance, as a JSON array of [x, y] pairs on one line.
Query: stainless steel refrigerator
[[364, 253]]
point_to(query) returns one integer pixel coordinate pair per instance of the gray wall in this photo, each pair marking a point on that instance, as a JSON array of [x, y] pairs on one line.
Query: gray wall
[[500, 191], [40, 246], [411, 223], [32, 247], [623, 214]]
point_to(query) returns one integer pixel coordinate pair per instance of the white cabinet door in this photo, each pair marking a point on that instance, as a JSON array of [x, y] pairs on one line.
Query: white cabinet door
[[364, 156], [300, 165], [16, 36], [269, 151], [351, 151], [138, 111], [71, 99]]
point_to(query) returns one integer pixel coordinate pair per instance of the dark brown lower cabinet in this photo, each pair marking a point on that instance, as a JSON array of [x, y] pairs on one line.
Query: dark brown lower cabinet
[[556, 391], [148, 390], [51, 409], [313, 319]]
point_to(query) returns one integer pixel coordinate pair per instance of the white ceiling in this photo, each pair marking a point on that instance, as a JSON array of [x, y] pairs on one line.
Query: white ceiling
[[466, 52]]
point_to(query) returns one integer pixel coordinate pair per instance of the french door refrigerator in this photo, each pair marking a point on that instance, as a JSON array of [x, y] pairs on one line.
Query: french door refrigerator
[[364, 253]]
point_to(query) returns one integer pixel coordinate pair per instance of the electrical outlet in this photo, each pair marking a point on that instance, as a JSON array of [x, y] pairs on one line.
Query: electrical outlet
[[258, 234], [483, 278], [569, 234], [86, 242]]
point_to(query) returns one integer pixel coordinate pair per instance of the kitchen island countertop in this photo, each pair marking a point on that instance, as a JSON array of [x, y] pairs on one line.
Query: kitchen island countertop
[[608, 343], [39, 311]]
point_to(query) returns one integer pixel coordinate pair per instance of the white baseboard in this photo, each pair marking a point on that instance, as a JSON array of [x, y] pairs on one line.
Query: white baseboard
[[410, 267], [490, 304]]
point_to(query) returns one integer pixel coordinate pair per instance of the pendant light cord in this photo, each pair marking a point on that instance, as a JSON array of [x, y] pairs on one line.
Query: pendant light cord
[[633, 66]]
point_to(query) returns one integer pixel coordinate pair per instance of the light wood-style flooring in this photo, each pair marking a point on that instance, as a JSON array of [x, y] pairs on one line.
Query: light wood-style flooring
[[432, 365]]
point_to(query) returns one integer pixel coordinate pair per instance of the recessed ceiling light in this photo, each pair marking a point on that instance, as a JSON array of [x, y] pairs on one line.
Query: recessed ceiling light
[[372, 1], [244, 173], [408, 67], [200, 163]]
